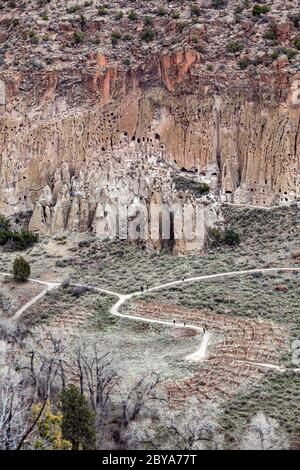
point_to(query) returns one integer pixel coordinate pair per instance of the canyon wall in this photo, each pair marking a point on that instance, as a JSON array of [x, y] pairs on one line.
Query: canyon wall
[[72, 138]]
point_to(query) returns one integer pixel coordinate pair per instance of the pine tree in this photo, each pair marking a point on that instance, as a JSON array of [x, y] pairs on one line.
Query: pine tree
[[21, 269], [78, 422]]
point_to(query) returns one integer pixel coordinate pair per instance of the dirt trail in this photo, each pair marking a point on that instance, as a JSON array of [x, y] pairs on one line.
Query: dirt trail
[[198, 355]]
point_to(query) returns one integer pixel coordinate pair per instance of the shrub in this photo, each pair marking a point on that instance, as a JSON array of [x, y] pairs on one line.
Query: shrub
[[231, 237], [185, 184], [217, 4], [228, 237], [115, 36], [49, 434], [16, 240], [15, 22], [195, 10], [119, 15], [21, 269], [148, 20], [5, 231], [73, 9], [42, 3], [161, 11], [296, 20], [243, 63], [297, 44], [78, 37], [204, 188], [271, 34], [259, 10], [4, 223], [22, 240], [33, 37], [3, 238], [290, 53], [233, 47], [102, 11], [147, 35], [182, 25], [132, 15], [239, 9], [215, 236]]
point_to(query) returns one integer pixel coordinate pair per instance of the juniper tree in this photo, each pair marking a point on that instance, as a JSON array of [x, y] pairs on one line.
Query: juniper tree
[[78, 422]]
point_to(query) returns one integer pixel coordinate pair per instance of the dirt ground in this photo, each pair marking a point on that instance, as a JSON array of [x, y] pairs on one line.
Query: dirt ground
[[14, 295]]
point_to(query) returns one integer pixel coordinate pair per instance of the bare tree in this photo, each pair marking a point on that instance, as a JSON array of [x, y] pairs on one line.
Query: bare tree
[[139, 406], [264, 433], [33, 373], [140, 397], [194, 427], [42, 363], [91, 369], [13, 410]]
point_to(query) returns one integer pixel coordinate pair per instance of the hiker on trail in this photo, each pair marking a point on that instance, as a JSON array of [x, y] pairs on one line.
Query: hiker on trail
[[184, 323], [183, 279], [142, 289], [174, 321]]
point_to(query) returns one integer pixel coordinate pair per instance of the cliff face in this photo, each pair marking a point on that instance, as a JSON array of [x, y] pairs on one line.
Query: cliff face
[[73, 134], [246, 149]]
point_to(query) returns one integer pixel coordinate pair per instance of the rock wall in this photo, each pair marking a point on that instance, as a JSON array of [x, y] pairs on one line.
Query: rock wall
[[71, 138]]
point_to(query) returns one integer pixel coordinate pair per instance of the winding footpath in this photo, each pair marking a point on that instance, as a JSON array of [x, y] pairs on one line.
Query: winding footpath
[[198, 355]]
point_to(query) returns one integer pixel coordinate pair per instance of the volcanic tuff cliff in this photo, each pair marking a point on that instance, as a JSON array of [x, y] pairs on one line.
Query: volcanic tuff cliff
[[100, 100]]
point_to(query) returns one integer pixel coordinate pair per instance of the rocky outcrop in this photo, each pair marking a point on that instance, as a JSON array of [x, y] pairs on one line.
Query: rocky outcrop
[[99, 199]]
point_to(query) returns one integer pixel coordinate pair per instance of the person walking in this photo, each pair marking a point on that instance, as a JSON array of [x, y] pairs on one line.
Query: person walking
[[142, 289]]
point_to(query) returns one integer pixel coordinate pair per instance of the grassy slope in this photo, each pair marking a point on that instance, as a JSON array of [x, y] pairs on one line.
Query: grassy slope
[[278, 396]]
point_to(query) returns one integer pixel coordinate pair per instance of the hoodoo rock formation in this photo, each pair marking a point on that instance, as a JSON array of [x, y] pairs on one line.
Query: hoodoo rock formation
[[82, 125]]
